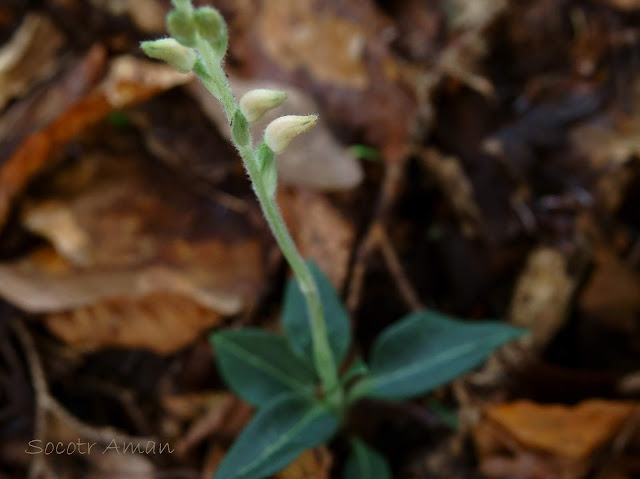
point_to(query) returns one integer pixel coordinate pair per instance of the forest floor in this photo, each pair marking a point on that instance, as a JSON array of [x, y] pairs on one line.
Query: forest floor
[[476, 157]]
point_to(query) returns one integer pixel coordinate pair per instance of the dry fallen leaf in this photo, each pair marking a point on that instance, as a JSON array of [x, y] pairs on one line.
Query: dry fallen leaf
[[140, 261], [311, 464], [527, 440], [321, 231], [129, 81], [161, 322], [29, 56], [352, 71], [330, 47], [542, 296]]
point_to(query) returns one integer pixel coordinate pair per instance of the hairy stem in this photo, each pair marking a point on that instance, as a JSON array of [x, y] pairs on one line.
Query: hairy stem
[[213, 77]]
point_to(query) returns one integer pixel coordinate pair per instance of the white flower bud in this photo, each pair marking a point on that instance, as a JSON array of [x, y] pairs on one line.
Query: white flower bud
[[178, 56], [283, 130], [255, 103]]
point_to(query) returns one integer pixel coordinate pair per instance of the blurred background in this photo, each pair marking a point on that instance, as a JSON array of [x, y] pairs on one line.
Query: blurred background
[[478, 157]]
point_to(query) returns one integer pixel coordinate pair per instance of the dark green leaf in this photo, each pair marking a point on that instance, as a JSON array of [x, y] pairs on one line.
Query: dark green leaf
[[427, 349], [259, 365], [295, 318], [365, 463], [276, 435]]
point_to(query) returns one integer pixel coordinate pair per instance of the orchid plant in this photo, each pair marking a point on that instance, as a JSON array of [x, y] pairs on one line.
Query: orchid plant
[[293, 378]]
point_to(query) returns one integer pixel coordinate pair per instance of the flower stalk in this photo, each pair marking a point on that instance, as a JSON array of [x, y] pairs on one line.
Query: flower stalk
[[210, 39]]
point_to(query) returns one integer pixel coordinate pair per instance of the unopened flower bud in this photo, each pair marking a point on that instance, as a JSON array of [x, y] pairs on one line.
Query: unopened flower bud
[[283, 130], [212, 28], [178, 56], [182, 4], [182, 27], [255, 103]]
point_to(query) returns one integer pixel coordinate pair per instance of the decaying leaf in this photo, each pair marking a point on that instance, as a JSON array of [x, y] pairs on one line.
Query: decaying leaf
[[331, 48], [318, 161], [542, 296], [129, 81], [162, 322], [311, 464], [352, 71], [190, 406], [28, 57], [527, 440], [321, 231], [130, 267]]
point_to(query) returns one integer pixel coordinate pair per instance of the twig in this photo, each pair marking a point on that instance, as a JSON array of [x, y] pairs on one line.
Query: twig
[[47, 404], [407, 291], [377, 238]]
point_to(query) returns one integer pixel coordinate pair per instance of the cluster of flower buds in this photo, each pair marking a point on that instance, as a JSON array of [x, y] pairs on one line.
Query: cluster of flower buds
[[278, 134], [281, 131], [202, 32], [190, 29]]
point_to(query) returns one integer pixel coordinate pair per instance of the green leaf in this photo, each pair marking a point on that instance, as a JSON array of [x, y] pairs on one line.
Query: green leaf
[[425, 350], [295, 318], [266, 160], [365, 463], [276, 435], [259, 365], [240, 129]]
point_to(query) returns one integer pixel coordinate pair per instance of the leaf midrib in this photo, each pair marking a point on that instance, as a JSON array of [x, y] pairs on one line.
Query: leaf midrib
[[283, 439], [258, 363], [417, 366]]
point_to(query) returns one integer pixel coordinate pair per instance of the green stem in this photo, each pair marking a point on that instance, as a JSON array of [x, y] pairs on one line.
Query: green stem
[[213, 77]]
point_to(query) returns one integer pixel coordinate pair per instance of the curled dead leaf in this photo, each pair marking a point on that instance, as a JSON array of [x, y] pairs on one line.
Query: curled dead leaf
[[130, 268], [129, 81]]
